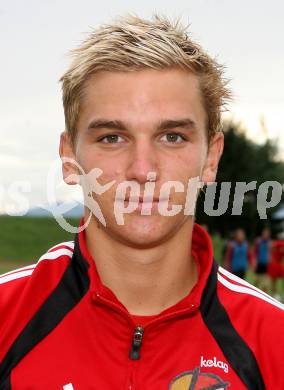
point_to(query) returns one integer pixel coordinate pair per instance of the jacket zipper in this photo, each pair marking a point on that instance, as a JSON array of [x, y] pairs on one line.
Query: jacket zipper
[[134, 352]]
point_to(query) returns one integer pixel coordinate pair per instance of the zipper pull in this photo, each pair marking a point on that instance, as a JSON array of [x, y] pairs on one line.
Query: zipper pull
[[134, 353]]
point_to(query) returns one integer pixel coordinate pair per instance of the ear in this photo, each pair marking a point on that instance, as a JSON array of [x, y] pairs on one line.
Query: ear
[[70, 170], [214, 153]]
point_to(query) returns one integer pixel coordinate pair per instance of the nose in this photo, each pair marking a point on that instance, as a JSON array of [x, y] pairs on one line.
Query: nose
[[143, 159]]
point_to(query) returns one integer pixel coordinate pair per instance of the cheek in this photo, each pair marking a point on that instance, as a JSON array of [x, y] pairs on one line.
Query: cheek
[[91, 159], [185, 165]]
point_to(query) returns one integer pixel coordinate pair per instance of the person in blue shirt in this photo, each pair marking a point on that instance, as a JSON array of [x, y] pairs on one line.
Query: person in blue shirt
[[238, 254], [262, 249]]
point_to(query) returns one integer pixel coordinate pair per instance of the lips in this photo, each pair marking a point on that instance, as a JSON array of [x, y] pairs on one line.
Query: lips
[[144, 200]]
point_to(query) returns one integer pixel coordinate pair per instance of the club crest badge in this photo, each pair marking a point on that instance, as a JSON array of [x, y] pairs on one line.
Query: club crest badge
[[196, 380]]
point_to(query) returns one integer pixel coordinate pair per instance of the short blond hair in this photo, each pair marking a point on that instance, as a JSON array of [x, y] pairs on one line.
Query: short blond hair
[[130, 43]]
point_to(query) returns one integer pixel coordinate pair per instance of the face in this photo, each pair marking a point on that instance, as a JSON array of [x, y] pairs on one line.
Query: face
[[266, 234], [240, 235], [133, 123]]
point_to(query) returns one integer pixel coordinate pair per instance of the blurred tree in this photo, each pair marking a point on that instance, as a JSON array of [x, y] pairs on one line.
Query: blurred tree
[[243, 160]]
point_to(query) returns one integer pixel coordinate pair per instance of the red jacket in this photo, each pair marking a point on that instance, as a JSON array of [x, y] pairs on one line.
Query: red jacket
[[60, 328]]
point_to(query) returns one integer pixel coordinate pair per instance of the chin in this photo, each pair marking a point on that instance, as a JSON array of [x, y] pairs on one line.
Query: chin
[[141, 241], [145, 231]]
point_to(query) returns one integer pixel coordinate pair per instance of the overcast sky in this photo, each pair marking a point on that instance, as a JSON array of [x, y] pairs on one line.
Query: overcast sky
[[247, 36]]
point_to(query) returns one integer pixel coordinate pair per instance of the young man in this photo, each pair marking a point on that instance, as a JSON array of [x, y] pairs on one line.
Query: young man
[[138, 303]]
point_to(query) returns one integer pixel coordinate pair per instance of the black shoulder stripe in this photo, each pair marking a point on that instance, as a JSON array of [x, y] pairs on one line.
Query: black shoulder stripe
[[71, 289], [6, 384], [235, 349]]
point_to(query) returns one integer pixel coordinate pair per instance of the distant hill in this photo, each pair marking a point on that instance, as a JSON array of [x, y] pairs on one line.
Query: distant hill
[[75, 210], [279, 214]]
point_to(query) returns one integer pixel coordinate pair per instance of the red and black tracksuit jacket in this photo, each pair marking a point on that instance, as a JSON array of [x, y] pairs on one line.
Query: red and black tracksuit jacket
[[61, 328]]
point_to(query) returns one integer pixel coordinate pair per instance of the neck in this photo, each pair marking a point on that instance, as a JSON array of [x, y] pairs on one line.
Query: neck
[[146, 281]]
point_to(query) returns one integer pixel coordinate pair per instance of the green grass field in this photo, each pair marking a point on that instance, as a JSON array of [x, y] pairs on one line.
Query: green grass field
[[24, 239]]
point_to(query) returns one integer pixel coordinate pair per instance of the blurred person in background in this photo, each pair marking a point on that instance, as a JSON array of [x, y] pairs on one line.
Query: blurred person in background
[[238, 254], [262, 251], [276, 265]]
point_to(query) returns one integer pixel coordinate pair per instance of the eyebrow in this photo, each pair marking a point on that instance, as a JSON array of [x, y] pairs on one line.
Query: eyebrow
[[166, 124], [173, 123], [105, 123]]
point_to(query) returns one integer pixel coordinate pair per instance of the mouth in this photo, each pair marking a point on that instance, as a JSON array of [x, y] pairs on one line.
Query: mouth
[[146, 205], [143, 200]]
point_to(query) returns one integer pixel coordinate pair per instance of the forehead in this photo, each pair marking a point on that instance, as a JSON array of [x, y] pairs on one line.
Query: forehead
[[146, 96]]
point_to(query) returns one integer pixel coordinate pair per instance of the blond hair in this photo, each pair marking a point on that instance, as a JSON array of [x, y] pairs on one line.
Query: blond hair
[[130, 43]]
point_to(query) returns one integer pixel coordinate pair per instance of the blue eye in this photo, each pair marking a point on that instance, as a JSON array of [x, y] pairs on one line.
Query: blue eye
[[110, 139], [174, 138]]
